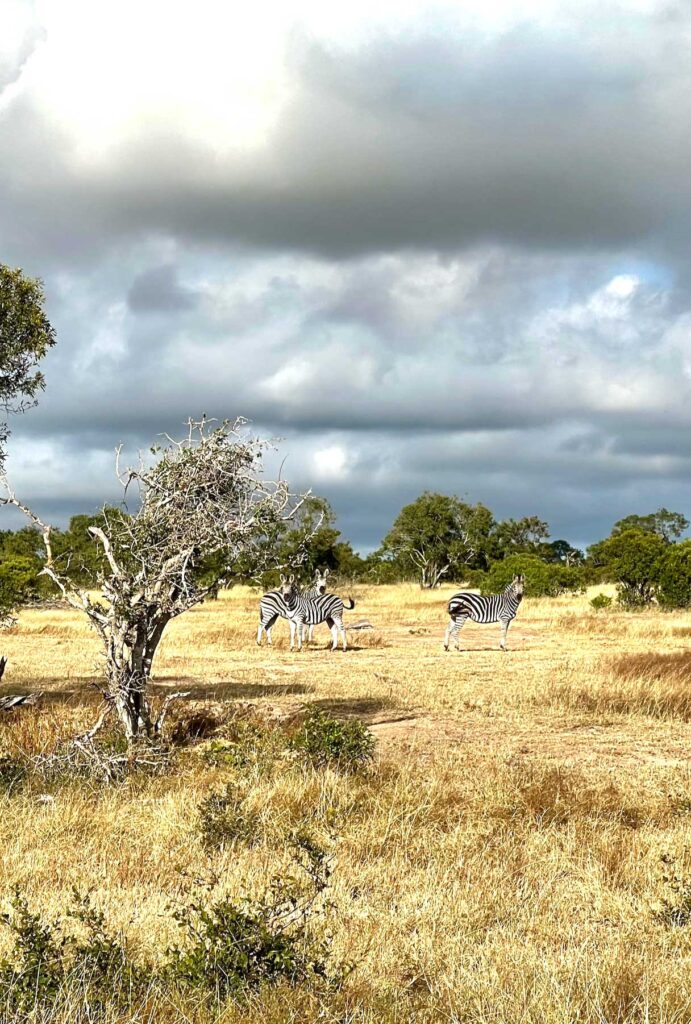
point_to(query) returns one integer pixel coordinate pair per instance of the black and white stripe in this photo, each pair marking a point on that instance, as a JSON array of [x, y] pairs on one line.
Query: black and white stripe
[[272, 606], [492, 608], [318, 589], [310, 611]]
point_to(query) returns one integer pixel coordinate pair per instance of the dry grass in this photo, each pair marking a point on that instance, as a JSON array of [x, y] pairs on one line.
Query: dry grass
[[501, 863]]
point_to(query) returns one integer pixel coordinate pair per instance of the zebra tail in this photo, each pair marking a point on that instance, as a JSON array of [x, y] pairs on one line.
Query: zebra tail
[[349, 606]]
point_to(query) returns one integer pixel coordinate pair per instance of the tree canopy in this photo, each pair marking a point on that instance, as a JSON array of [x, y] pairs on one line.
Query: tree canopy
[[25, 336]]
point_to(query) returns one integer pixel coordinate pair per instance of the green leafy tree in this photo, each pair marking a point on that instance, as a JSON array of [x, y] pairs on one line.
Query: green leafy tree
[[438, 535], [25, 337], [515, 536], [675, 576], [634, 560], [562, 552], [542, 579], [667, 525]]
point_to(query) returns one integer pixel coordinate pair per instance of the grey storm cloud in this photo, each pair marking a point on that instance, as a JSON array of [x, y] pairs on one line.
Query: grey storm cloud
[[438, 141], [457, 261], [158, 290]]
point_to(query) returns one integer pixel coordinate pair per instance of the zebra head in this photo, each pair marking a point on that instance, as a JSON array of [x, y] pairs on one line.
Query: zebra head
[[288, 588], [320, 583], [517, 586]]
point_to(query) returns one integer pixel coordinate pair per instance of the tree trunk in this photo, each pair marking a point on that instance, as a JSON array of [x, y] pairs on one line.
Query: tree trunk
[[130, 655]]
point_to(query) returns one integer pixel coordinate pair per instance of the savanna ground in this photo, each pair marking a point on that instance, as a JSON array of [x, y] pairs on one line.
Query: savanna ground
[[519, 852]]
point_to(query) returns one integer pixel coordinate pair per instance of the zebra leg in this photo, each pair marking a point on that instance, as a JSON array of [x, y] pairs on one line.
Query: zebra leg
[[267, 627], [452, 630], [334, 634], [293, 629], [340, 628], [310, 631], [504, 630]]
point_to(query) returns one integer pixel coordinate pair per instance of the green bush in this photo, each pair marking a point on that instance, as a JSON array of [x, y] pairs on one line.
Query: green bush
[[600, 602], [224, 818], [44, 961], [233, 947], [675, 576], [321, 740], [542, 579], [252, 749], [230, 948]]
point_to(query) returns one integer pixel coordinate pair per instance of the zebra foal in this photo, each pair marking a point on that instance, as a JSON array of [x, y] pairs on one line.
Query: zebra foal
[[310, 611], [491, 608]]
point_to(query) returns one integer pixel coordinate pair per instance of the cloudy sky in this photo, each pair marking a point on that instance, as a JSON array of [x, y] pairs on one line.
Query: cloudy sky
[[439, 246]]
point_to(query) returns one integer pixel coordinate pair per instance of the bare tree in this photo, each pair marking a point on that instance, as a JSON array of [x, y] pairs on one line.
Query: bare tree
[[201, 504]]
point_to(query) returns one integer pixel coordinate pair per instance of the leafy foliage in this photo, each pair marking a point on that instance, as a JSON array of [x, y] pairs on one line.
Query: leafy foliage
[[663, 523], [600, 602], [325, 741], [542, 579], [236, 946], [675, 576], [44, 959], [437, 535], [634, 559], [25, 337]]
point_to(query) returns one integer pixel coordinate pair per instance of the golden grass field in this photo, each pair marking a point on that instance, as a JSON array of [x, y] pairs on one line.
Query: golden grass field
[[507, 858]]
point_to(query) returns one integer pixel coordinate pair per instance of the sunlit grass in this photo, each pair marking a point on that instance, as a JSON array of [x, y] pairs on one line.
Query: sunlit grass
[[503, 860]]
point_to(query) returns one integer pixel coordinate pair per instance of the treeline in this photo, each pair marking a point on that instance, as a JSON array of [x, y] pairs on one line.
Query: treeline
[[436, 538]]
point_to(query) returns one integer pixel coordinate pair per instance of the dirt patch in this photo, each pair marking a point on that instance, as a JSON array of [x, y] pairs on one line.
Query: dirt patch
[[601, 745]]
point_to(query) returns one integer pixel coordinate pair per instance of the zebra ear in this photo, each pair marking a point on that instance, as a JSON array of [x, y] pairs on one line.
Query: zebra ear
[[292, 578], [283, 579], [326, 573]]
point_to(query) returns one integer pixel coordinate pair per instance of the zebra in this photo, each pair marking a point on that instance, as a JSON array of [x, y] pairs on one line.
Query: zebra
[[318, 589], [309, 611], [493, 608], [272, 606]]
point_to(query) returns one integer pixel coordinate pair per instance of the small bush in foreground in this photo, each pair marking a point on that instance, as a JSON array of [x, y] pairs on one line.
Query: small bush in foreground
[[44, 960], [224, 818], [325, 741], [252, 748], [234, 947], [600, 602]]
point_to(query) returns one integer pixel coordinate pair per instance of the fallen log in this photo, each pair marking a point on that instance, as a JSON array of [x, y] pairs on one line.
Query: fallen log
[[15, 700]]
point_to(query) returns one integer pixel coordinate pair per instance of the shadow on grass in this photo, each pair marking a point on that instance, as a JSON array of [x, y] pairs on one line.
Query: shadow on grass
[[365, 708], [231, 689]]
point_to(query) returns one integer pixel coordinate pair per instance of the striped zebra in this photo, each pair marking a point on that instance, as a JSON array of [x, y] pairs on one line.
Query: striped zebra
[[310, 611], [272, 606], [318, 589], [493, 608]]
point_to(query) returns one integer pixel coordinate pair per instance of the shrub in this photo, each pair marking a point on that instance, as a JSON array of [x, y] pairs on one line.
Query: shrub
[[238, 946], [600, 602], [322, 740], [542, 579], [634, 559], [675, 576], [252, 749], [225, 818], [44, 960]]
